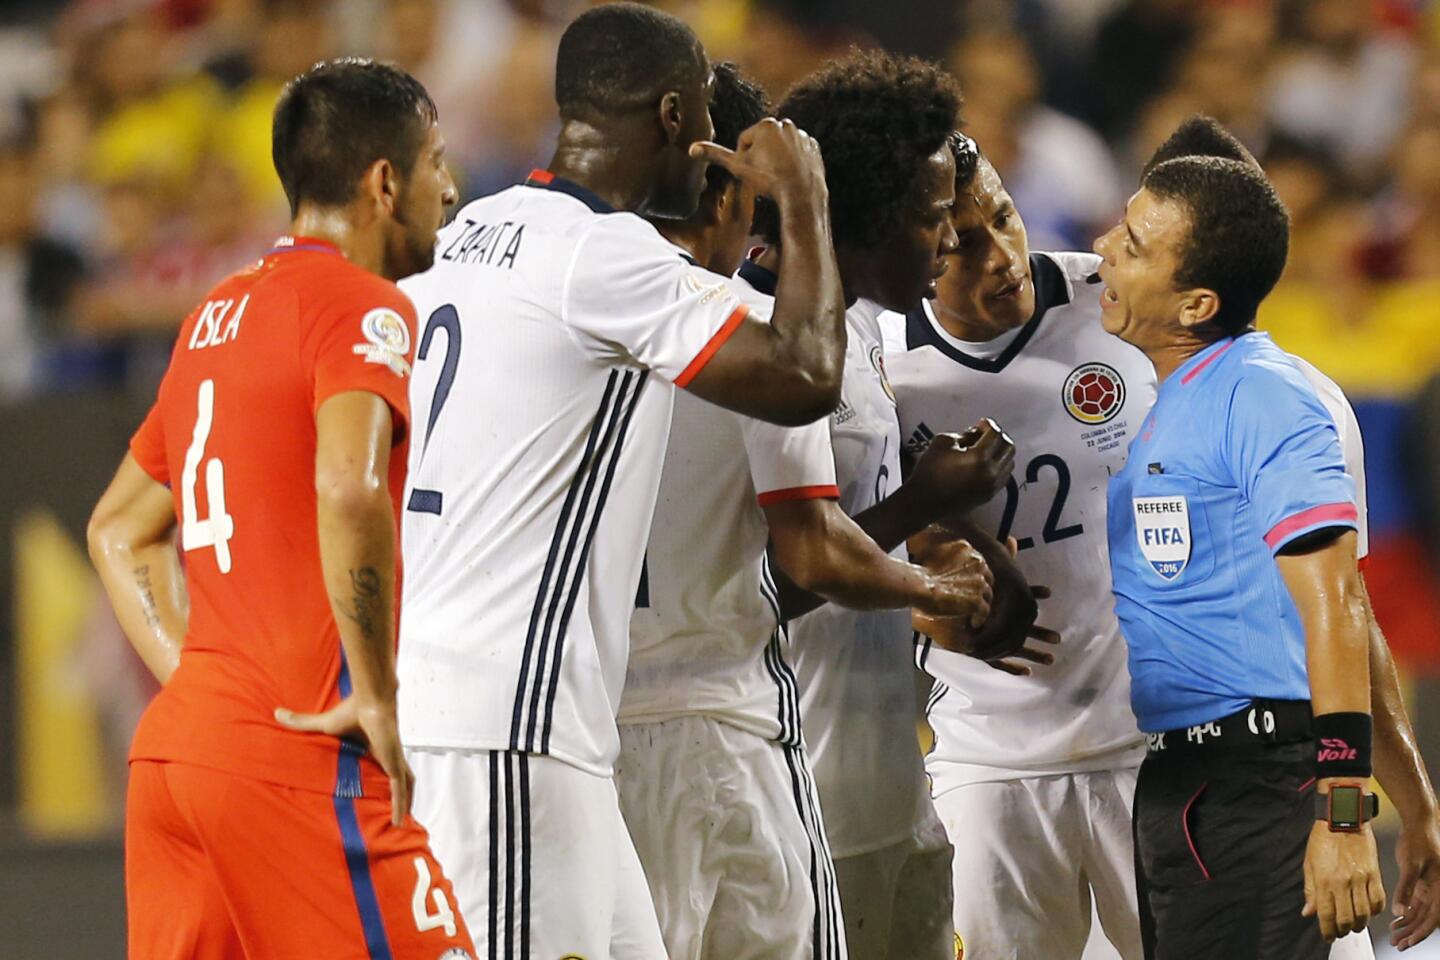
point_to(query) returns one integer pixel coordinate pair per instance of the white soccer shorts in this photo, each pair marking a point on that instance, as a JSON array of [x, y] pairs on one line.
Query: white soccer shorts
[[897, 899], [538, 854], [1029, 856], [728, 827]]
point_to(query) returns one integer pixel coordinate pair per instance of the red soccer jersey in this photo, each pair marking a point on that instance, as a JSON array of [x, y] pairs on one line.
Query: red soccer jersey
[[232, 433]]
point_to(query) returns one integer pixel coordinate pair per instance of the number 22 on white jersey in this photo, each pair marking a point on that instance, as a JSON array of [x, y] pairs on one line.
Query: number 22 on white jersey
[[216, 529]]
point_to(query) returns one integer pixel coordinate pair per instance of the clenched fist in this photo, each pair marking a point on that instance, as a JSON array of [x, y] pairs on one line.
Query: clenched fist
[[958, 472], [962, 583]]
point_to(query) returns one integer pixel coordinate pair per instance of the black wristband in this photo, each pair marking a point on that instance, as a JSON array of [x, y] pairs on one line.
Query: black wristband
[[1342, 745]]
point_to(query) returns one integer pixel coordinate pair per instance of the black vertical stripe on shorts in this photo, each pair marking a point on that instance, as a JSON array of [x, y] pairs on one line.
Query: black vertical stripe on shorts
[[510, 889]]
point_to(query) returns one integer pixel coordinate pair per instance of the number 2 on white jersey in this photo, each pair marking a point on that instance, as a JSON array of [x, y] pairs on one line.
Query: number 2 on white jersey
[[424, 919], [216, 529]]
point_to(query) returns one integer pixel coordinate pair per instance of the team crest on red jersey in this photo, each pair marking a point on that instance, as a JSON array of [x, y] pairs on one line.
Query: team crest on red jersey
[[1093, 393], [387, 340]]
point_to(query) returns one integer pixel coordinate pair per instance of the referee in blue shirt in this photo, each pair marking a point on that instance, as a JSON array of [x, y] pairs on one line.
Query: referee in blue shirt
[[1232, 545]]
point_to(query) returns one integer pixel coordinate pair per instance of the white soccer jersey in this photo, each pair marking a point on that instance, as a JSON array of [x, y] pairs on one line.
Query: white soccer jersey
[[857, 680], [553, 329], [1070, 395], [704, 636], [1352, 447]]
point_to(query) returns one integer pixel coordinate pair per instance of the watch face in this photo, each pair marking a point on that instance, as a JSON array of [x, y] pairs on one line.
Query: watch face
[[1345, 806]]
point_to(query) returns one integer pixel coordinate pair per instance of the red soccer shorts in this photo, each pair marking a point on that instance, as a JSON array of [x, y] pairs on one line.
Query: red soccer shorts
[[221, 867]]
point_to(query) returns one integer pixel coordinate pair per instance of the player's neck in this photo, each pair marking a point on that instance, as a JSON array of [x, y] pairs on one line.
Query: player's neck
[[963, 328], [593, 159], [693, 238], [362, 247]]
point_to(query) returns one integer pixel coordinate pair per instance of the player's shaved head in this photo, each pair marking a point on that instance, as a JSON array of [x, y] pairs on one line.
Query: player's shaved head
[[336, 119], [620, 57], [1238, 233], [1200, 136]]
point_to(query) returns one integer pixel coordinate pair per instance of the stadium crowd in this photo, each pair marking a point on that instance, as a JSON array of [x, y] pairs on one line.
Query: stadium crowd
[[135, 163]]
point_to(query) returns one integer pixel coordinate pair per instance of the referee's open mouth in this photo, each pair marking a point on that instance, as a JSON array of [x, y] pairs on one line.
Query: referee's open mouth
[[1109, 304]]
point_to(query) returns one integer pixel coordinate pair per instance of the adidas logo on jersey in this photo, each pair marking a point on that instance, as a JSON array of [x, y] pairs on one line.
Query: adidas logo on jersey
[[916, 443], [843, 413]]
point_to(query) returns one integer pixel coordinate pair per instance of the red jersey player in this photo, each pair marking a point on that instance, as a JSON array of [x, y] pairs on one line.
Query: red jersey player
[[278, 441]]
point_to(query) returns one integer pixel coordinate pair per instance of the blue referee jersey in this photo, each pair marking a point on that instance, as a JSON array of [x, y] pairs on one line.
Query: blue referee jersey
[[1237, 458]]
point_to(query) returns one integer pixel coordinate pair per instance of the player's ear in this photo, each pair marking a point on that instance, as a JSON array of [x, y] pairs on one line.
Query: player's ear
[[1198, 307], [380, 185], [672, 116], [716, 204]]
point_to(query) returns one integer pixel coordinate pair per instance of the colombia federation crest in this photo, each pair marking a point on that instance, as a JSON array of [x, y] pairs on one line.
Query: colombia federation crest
[[1093, 393]]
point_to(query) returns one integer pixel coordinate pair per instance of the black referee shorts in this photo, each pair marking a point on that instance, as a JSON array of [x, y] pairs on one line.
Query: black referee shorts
[[1220, 842]]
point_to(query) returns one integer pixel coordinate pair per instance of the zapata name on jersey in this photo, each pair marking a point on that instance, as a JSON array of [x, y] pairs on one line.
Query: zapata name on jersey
[[486, 244]]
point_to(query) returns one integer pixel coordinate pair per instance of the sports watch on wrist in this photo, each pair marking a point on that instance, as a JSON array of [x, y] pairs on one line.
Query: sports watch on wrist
[[1346, 808]]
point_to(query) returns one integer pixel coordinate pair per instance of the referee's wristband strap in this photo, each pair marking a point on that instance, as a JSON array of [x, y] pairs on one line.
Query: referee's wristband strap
[[1342, 745]]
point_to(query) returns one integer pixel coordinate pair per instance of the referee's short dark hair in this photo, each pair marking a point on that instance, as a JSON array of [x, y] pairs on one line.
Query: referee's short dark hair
[[336, 119], [622, 56], [877, 117], [1200, 135], [1239, 232]]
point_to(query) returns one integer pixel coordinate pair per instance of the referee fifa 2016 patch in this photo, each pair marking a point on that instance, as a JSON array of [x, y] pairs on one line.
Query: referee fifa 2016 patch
[[1162, 529]]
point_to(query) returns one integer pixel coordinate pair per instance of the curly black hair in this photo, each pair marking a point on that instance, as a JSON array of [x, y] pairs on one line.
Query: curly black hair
[[877, 117], [737, 105]]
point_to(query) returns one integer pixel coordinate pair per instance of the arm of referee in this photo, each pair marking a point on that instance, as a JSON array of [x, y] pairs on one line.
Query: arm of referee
[[1342, 871]]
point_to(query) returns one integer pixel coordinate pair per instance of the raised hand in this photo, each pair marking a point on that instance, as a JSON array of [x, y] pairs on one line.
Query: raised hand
[[958, 472], [1004, 640], [776, 158], [963, 583]]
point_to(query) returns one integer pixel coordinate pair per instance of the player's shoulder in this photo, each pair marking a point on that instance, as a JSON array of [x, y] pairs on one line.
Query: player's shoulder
[[1076, 266], [1064, 282], [621, 237], [1330, 391], [344, 285], [761, 304], [893, 327]]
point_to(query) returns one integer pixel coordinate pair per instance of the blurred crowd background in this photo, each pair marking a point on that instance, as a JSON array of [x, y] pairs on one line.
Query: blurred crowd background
[[135, 172]]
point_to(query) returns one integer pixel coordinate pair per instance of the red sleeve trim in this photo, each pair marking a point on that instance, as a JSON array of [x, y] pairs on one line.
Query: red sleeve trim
[[1329, 513], [824, 491], [732, 323]]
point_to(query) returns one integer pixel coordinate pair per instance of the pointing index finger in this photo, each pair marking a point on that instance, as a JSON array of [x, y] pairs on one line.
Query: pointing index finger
[[712, 152]]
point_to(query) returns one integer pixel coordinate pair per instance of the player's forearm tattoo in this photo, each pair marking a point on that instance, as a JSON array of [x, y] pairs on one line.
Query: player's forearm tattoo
[[147, 596], [367, 603]]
